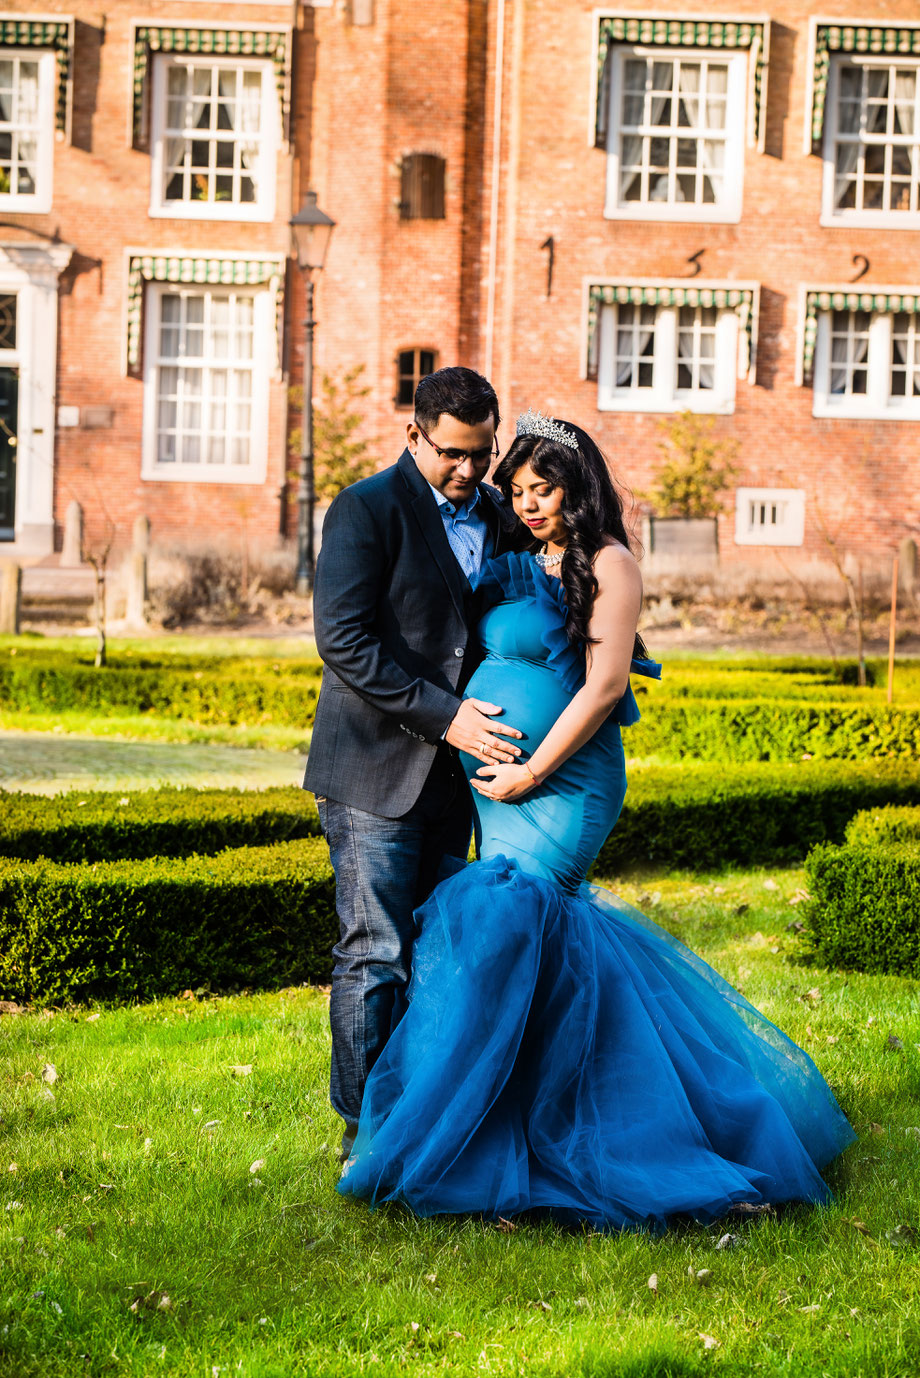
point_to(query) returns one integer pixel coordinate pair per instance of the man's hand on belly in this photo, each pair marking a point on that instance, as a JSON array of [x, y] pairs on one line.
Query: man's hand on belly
[[474, 732]]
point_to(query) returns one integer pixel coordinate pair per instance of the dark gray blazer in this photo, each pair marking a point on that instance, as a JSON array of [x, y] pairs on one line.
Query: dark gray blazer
[[393, 613]]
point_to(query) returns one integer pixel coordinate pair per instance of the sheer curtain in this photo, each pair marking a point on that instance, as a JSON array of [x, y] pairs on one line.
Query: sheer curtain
[[848, 352], [248, 125], [28, 120], [632, 343], [188, 95], [849, 118], [632, 145]]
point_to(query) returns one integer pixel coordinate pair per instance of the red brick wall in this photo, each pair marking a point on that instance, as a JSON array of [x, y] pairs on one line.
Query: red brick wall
[[421, 78], [864, 477], [100, 205], [385, 90]]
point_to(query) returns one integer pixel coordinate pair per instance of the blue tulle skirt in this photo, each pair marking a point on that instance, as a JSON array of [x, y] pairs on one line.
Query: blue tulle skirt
[[562, 1053]]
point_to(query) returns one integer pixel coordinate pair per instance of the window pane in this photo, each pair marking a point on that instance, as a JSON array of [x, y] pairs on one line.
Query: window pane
[[660, 161], [222, 104], [876, 155]]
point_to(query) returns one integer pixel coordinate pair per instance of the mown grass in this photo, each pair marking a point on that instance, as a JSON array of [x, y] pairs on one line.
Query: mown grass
[[141, 727], [133, 1176]]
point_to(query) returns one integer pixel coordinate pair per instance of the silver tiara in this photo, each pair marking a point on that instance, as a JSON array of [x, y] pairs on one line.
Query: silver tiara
[[535, 423]]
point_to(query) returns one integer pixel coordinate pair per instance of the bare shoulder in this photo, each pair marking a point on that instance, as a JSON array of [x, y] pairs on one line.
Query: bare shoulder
[[615, 563]]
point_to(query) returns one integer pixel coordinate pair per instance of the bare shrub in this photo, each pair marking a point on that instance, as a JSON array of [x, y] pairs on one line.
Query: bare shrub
[[216, 585]]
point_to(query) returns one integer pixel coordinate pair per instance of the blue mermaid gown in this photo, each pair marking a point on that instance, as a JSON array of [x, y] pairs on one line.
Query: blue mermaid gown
[[561, 1052]]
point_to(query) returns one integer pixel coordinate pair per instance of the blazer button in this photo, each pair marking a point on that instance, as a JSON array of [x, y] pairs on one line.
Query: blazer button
[[459, 652]]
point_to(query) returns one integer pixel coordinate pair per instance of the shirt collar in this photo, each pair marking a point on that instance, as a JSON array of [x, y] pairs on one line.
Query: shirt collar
[[455, 509]]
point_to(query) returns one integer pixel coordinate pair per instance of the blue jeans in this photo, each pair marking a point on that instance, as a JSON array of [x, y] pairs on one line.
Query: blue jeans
[[384, 868]]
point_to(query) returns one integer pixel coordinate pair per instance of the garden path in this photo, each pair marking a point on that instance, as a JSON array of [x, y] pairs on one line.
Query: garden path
[[44, 763]]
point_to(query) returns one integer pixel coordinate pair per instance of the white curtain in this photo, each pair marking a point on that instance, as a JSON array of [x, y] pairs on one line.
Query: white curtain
[[249, 120], [632, 144], [632, 343], [687, 340], [195, 87], [845, 348]]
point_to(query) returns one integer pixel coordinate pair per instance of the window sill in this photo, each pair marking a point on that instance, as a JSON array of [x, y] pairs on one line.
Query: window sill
[[194, 473], [870, 220], [674, 214], [786, 543], [655, 404], [221, 211], [829, 412], [25, 205]]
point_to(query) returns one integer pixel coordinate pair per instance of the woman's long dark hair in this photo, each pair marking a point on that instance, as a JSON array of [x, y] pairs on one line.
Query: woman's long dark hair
[[591, 510]]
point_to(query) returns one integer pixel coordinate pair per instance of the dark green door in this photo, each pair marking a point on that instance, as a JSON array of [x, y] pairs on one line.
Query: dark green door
[[9, 413]]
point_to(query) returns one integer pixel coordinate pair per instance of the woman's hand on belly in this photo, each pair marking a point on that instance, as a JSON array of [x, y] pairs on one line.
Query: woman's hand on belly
[[504, 783]]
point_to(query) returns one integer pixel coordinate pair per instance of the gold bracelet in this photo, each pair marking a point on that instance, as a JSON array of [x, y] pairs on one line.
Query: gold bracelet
[[530, 772]]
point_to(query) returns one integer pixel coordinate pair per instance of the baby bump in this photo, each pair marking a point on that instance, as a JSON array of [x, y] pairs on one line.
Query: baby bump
[[530, 695], [556, 830]]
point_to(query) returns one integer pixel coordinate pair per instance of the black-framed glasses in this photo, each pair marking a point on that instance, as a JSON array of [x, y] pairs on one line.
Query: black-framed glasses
[[457, 456]]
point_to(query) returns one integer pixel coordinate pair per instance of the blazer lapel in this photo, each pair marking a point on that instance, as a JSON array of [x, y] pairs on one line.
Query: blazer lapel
[[425, 511]]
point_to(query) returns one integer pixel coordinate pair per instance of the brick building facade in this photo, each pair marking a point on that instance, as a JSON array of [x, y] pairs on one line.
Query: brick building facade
[[618, 214], [729, 206]]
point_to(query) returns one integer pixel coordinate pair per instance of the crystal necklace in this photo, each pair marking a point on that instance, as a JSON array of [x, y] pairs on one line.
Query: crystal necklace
[[548, 561]]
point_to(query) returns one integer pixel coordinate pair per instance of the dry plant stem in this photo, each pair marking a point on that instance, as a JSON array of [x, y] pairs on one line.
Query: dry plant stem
[[892, 626], [813, 612], [860, 657], [99, 563], [854, 600]]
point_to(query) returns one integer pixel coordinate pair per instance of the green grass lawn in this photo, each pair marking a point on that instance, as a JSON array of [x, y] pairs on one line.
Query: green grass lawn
[[168, 1203]]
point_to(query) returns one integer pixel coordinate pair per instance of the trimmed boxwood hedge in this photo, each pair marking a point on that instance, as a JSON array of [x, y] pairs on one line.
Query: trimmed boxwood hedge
[[713, 711], [702, 816], [110, 825], [864, 909], [695, 815], [224, 694], [771, 730], [891, 824], [132, 930]]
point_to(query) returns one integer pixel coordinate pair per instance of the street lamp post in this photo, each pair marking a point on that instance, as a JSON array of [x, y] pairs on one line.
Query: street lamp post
[[311, 230]]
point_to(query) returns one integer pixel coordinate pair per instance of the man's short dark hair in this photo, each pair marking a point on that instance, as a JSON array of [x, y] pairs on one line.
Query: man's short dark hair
[[460, 392]]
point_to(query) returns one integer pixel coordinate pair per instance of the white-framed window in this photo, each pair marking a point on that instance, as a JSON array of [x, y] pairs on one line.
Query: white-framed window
[[27, 86], [675, 144], [769, 516], [216, 133], [206, 383], [667, 358], [872, 143], [867, 363]]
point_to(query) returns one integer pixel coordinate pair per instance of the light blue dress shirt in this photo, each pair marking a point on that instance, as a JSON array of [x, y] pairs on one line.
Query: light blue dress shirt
[[466, 531]]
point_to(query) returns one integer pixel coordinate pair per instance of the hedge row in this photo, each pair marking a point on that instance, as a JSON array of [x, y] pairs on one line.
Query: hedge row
[[739, 730], [891, 824], [221, 696], [111, 826], [701, 816], [706, 712], [864, 910], [132, 930], [693, 815]]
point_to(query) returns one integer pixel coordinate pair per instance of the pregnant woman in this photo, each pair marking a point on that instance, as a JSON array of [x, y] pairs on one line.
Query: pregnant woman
[[560, 1051]]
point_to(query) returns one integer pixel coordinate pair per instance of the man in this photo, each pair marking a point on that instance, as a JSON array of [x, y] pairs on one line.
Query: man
[[393, 613]]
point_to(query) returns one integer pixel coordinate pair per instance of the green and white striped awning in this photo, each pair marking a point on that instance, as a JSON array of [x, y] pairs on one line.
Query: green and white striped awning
[[210, 42], [713, 35], [228, 271], [744, 300], [56, 32], [844, 300]]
